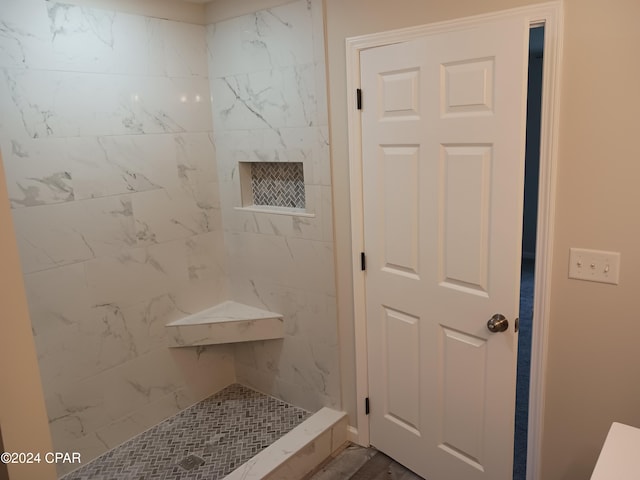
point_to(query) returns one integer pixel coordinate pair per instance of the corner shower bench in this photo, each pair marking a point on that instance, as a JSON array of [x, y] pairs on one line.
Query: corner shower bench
[[227, 322]]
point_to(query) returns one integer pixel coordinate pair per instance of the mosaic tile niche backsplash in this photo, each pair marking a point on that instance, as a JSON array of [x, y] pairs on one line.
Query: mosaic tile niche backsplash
[[277, 184]]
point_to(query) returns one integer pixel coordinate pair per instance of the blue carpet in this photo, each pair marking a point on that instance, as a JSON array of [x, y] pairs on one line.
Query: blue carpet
[[524, 361]]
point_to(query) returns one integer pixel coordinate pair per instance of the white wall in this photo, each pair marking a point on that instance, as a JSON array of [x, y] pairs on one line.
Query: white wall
[[593, 349], [106, 133], [269, 104]]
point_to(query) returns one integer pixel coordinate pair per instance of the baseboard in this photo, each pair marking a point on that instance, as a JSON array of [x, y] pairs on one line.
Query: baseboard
[[352, 434]]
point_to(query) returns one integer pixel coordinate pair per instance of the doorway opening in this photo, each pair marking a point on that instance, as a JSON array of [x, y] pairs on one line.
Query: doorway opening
[[549, 16], [529, 229]]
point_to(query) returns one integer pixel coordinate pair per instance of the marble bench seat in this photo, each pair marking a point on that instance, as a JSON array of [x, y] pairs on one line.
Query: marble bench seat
[[227, 322]]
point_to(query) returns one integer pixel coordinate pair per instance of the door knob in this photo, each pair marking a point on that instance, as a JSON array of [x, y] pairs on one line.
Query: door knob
[[497, 323]]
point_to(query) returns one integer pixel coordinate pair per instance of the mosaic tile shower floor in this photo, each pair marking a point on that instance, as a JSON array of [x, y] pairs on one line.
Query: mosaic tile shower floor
[[206, 441]]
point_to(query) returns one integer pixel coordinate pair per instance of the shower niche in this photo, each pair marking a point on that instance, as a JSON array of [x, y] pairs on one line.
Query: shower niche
[[274, 187]]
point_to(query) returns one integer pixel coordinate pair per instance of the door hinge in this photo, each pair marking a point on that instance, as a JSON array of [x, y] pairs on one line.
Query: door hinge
[[363, 261], [359, 98], [366, 406], [517, 327]]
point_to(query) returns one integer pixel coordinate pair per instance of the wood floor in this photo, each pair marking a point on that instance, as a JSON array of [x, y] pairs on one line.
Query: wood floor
[[359, 463]]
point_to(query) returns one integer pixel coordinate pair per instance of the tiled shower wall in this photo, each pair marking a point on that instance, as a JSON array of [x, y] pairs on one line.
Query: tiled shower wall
[[269, 104], [106, 134]]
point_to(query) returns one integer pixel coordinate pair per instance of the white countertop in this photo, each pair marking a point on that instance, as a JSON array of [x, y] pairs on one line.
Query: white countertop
[[620, 455]]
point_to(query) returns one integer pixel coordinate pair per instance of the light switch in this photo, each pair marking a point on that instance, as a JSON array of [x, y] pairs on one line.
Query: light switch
[[594, 265]]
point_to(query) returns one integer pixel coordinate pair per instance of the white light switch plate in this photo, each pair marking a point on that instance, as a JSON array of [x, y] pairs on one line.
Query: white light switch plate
[[594, 265]]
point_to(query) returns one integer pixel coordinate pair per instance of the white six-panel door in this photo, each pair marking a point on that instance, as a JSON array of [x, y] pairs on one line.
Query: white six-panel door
[[443, 134]]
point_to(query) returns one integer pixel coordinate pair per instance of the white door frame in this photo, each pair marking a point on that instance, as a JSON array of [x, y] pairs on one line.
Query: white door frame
[[549, 15]]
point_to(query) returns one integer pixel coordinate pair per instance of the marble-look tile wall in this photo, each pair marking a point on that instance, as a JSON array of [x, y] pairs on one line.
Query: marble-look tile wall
[[106, 134], [268, 88]]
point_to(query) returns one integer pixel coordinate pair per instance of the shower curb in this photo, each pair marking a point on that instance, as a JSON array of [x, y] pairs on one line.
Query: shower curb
[[298, 452]]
